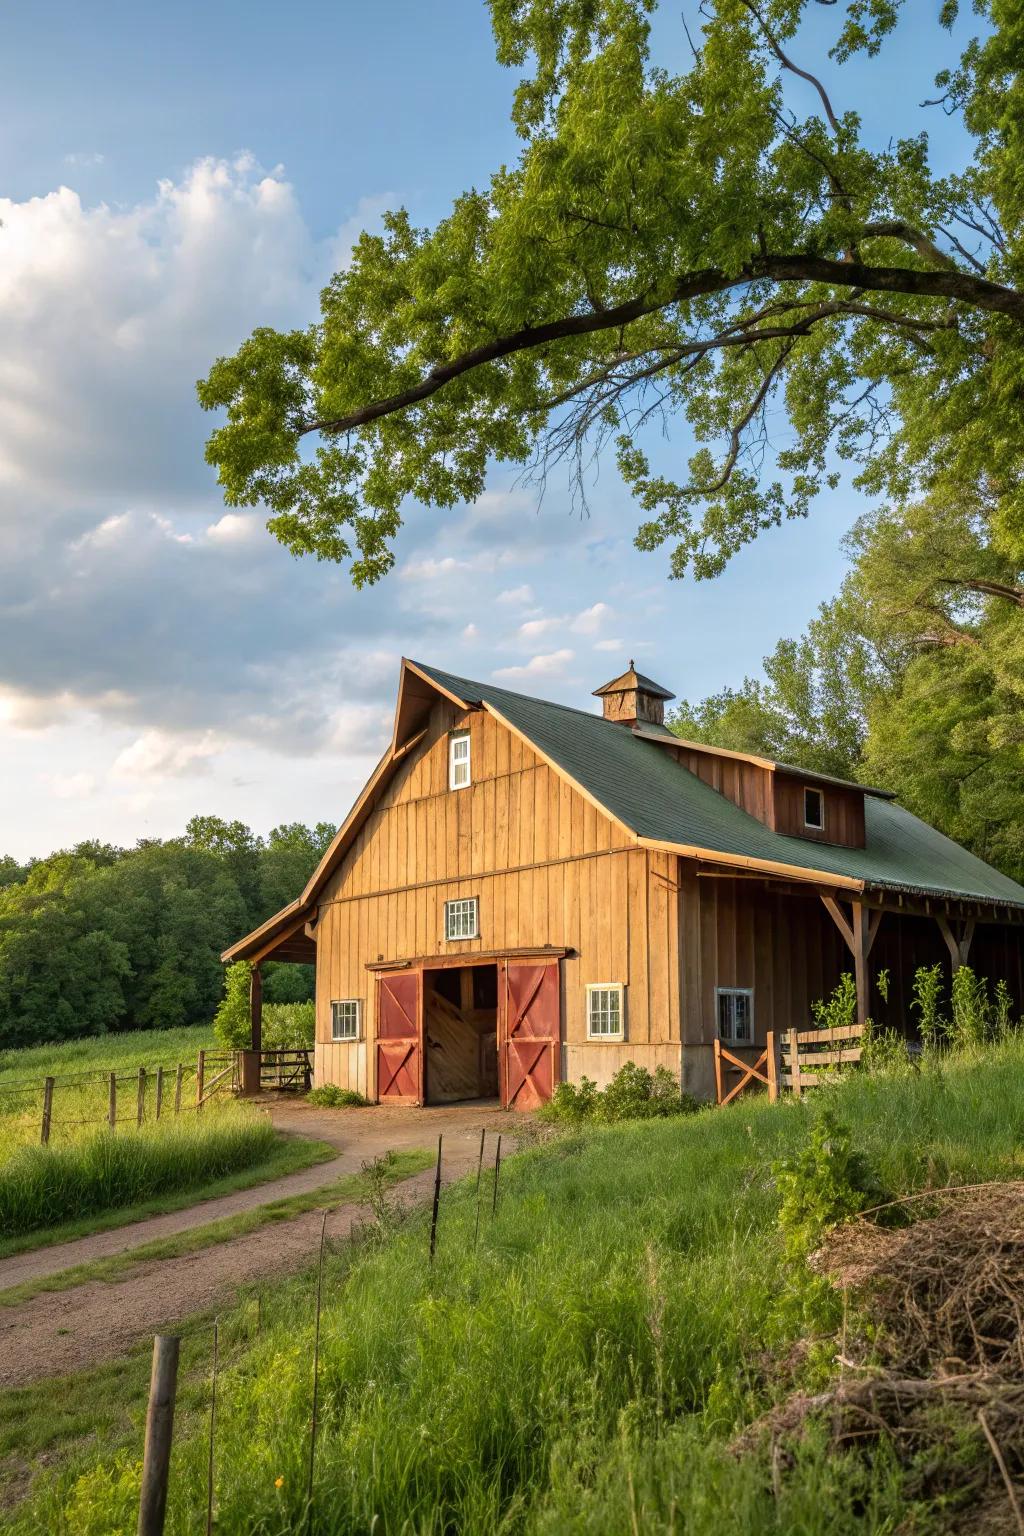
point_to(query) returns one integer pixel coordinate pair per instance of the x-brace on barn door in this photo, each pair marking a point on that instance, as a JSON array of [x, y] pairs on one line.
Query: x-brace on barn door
[[529, 1033]]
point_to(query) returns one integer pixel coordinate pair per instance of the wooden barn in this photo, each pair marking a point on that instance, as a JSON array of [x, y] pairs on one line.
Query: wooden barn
[[525, 893]]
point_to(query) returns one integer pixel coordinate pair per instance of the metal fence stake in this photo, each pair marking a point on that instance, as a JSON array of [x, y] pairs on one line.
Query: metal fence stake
[[479, 1176], [437, 1201], [316, 1370], [156, 1458], [213, 1426], [497, 1171]]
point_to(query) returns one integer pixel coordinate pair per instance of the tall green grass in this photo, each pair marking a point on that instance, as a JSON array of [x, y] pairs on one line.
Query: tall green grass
[[149, 1048], [587, 1368], [43, 1186]]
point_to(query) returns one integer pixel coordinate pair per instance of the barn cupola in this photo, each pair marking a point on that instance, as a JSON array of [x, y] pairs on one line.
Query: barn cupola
[[633, 699]]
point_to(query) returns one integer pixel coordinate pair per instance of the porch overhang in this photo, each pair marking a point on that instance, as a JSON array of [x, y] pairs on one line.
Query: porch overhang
[[285, 938]]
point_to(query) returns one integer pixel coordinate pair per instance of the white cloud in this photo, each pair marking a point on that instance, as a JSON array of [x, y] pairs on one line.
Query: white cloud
[[549, 665], [609, 645], [71, 786], [534, 628], [520, 596], [82, 159], [471, 632], [237, 528], [591, 619], [159, 754]]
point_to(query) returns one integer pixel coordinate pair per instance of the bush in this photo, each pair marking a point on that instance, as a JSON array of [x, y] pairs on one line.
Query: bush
[[43, 1186], [330, 1096], [824, 1183], [285, 1025], [633, 1094]]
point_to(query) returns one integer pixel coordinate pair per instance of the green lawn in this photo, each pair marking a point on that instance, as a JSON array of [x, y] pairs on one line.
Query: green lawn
[[628, 1311], [149, 1048]]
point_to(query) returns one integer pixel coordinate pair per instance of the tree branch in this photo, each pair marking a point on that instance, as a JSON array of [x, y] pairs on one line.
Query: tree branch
[[1001, 589], [977, 292], [787, 63]]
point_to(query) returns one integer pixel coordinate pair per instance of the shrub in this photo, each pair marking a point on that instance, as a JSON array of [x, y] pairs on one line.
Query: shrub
[[285, 1025], [927, 1003], [840, 1009], [972, 1010], [824, 1183], [633, 1094], [330, 1096], [43, 1186]]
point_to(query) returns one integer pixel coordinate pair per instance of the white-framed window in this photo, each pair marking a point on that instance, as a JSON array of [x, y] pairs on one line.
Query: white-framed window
[[462, 918], [347, 1019], [606, 1012], [458, 760], [735, 1015], [814, 809]]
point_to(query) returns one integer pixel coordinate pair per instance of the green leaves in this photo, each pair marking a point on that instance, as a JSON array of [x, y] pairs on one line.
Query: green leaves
[[677, 250]]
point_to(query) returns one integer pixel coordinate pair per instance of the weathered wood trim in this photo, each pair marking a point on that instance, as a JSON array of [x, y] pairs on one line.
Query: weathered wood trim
[[483, 874], [741, 861], [468, 958], [837, 915], [267, 949]]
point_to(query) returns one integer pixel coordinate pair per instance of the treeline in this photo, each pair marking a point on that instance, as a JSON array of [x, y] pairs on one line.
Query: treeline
[[98, 938], [913, 677]]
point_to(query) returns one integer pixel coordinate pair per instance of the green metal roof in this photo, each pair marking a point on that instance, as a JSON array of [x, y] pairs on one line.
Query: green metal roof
[[655, 796]]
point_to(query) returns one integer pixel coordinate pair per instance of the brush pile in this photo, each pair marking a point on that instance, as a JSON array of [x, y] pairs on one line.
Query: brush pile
[[933, 1353]]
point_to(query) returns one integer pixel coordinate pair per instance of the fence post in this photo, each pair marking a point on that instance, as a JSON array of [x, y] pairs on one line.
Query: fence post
[[140, 1108], [47, 1110], [717, 1049], [177, 1088], [200, 1074], [773, 1067], [156, 1458], [794, 1061], [159, 1090], [437, 1197], [497, 1171], [112, 1102]]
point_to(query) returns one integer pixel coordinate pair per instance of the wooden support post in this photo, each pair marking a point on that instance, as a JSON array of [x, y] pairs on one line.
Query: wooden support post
[[156, 1458], [177, 1087], [200, 1075], [794, 1062], [44, 1135], [772, 1050], [140, 1108], [159, 1090], [256, 1007], [717, 1048], [112, 1102], [861, 948], [959, 946]]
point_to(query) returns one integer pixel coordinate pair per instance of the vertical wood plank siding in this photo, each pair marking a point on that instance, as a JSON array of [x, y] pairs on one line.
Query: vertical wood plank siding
[[547, 869]]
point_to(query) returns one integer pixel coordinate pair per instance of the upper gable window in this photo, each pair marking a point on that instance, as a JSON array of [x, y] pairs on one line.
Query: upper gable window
[[458, 760], [814, 810]]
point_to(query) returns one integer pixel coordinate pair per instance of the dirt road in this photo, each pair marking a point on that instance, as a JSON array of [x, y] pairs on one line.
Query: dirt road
[[58, 1332]]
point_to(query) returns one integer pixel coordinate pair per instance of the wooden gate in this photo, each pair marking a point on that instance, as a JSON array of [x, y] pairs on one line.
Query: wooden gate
[[399, 1038], [529, 1019]]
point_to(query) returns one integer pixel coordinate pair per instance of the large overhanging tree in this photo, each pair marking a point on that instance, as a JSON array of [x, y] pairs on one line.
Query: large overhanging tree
[[669, 246]]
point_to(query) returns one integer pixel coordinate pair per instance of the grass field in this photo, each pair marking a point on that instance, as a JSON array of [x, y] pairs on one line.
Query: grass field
[[81, 1070], [629, 1310]]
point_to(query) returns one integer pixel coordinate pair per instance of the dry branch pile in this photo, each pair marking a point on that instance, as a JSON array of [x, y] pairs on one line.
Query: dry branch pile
[[941, 1351]]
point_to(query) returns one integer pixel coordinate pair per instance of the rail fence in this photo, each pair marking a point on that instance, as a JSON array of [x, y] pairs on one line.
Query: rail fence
[[792, 1060]]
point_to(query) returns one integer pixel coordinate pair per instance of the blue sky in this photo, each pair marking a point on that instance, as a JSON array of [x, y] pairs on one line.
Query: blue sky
[[170, 179]]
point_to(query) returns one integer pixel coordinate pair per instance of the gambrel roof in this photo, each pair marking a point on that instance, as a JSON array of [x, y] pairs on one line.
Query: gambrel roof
[[629, 775]]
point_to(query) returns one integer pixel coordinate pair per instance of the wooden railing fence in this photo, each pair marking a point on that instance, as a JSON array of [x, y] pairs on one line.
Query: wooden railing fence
[[793, 1059]]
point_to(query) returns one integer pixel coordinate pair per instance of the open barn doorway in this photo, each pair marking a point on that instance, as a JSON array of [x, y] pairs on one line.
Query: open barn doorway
[[460, 1015]]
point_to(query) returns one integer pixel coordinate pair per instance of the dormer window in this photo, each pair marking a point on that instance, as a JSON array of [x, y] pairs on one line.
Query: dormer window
[[458, 760], [814, 810]]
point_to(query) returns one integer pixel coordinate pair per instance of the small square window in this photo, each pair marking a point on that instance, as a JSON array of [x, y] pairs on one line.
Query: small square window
[[347, 1019], [814, 809], [605, 1011], [462, 918], [458, 760], [735, 1015]]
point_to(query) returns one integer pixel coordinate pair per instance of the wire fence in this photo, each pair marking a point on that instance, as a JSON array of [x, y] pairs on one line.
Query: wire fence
[[46, 1109], [163, 1385]]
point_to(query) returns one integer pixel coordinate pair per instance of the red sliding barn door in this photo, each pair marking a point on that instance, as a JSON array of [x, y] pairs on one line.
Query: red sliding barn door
[[399, 1039], [530, 997]]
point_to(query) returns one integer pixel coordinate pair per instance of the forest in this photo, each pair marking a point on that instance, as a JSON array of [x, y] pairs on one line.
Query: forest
[[97, 938]]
